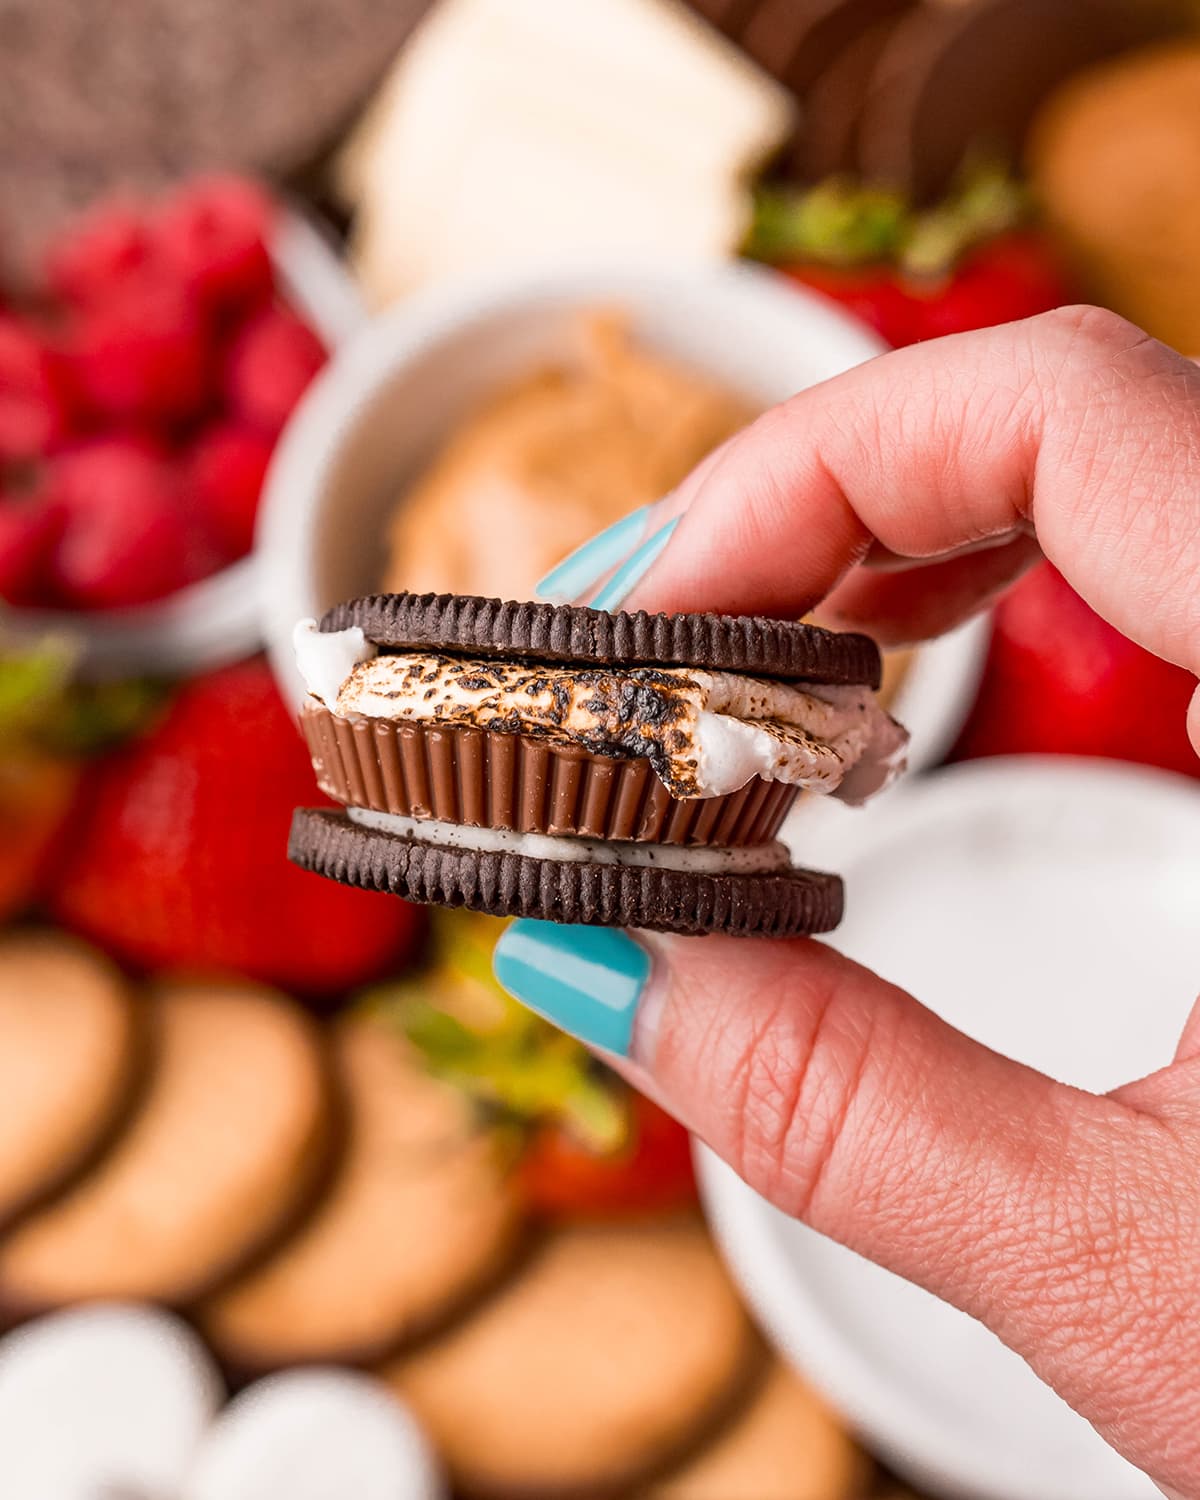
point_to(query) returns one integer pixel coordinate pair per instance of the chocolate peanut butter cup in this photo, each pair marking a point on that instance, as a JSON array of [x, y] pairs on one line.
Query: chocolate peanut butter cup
[[485, 779], [580, 766]]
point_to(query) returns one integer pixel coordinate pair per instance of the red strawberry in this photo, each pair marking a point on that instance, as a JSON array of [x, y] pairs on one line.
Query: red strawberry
[[224, 470], [144, 355], [1014, 276], [560, 1178], [35, 409], [872, 293], [179, 857], [29, 532], [107, 249], [270, 363], [1060, 680], [127, 535], [213, 234]]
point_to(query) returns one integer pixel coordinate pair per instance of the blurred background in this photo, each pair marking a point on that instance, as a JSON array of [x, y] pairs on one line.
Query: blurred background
[[304, 299]]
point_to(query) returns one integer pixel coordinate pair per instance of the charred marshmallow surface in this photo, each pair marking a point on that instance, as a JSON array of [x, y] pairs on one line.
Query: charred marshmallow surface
[[705, 733]]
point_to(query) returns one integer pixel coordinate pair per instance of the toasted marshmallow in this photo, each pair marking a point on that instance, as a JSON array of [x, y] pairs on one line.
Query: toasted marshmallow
[[326, 658], [706, 733]]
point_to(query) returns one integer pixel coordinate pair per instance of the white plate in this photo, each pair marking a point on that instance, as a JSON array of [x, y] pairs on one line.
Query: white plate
[[1048, 908]]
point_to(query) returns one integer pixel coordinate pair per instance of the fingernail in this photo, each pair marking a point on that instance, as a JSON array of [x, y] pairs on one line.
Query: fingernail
[[586, 980], [576, 573], [630, 573]]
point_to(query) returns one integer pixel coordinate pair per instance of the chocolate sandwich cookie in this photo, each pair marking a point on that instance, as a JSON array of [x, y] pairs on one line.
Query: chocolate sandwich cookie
[[579, 766], [828, 144], [957, 77], [795, 40]]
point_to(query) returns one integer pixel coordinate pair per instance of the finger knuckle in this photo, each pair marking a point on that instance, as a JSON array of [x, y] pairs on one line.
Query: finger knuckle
[[795, 1081], [1082, 326]]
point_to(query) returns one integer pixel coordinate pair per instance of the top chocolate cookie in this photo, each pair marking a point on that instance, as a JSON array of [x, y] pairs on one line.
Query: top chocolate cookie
[[778, 649]]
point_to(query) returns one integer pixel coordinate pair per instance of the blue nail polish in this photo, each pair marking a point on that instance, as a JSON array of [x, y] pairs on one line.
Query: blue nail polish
[[587, 563], [621, 584], [586, 980]]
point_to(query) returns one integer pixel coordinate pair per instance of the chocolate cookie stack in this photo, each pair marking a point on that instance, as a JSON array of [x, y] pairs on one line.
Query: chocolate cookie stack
[[901, 92]]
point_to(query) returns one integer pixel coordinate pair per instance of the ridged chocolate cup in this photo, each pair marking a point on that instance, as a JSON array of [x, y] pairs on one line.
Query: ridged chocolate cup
[[487, 779]]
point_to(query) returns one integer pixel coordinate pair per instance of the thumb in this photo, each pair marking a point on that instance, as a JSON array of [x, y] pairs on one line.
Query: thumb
[[854, 1108]]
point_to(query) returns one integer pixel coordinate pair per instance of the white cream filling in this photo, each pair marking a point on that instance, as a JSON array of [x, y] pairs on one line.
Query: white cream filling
[[760, 859], [707, 733]]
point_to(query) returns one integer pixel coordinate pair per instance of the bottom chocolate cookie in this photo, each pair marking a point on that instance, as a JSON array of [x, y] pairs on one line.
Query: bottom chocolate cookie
[[744, 893]]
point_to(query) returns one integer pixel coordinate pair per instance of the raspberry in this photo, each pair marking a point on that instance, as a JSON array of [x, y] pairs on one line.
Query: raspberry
[[29, 530], [145, 355], [128, 536], [105, 250], [269, 365], [35, 407], [213, 235], [224, 469]]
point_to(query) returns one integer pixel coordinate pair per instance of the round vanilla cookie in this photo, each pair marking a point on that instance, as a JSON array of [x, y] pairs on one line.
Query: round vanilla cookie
[[420, 1214], [108, 1401], [609, 1354], [69, 1060], [223, 1146], [785, 1444]]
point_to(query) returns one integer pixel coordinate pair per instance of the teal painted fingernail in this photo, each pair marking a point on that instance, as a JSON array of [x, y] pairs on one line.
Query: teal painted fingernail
[[574, 574], [621, 584], [586, 980]]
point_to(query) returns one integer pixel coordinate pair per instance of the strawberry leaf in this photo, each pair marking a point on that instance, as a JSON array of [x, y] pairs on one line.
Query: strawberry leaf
[[842, 223], [515, 1066], [45, 706]]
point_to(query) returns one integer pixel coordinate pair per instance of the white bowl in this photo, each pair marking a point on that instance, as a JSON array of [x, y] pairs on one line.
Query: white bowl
[[1047, 908], [217, 619], [382, 407], [938, 689]]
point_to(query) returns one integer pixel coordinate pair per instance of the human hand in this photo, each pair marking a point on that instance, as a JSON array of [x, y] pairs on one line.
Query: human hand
[[903, 495]]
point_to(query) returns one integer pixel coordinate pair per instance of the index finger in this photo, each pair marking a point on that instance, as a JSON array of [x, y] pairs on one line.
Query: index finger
[[1074, 424]]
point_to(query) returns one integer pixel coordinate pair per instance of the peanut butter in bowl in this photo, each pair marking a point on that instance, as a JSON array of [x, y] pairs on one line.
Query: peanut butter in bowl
[[552, 458]]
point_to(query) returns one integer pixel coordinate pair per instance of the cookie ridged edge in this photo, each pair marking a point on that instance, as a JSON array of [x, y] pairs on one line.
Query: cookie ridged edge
[[569, 632], [788, 904]]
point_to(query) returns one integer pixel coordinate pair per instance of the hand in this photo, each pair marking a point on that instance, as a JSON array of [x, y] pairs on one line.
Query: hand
[[903, 495]]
